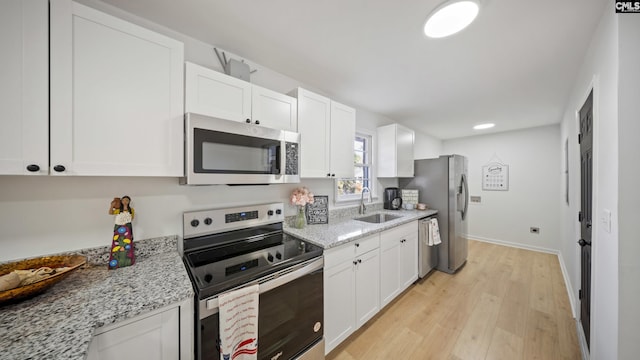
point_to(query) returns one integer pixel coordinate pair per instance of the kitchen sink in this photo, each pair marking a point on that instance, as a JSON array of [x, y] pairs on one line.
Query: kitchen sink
[[378, 218]]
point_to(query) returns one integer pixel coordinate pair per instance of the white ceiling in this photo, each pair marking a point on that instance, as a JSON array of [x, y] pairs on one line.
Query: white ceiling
[[513, 66]]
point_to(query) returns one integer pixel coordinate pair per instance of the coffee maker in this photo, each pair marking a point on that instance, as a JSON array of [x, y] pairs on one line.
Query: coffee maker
[[392, 199]]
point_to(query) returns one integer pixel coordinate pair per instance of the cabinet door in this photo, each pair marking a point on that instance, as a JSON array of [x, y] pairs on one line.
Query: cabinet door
[[339, 303], [343, 132], [389, 269], [116, 96], [24, 107], [314, 116], [212, 93], [274, 110], [367, 286], [404, 152], [154, 338], [408, 260]]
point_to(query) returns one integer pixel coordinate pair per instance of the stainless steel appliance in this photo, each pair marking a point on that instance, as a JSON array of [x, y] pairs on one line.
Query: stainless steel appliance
[[427, 255], [227, 249], [443, 186], [220, 151], [392, 199]]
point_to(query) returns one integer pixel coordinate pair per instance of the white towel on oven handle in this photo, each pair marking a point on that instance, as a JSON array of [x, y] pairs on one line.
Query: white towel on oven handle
[[239, 323]]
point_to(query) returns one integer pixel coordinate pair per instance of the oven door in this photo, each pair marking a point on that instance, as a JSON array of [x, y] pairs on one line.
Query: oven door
[[289, 319], [220, 151]]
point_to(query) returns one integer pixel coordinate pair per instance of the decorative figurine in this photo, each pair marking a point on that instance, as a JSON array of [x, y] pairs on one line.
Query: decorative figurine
[[122, 253]]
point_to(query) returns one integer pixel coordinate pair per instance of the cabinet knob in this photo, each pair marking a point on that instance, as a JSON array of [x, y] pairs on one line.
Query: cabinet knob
[[257, 122], [355, 262], [359, 261], [357, 245], [333, 175], [33, 168], [59, 168], [328, 174], [248, 121]]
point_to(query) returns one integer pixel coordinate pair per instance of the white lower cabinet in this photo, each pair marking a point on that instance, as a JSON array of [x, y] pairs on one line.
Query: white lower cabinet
[[351, 288], [398, 260], [160, 335]]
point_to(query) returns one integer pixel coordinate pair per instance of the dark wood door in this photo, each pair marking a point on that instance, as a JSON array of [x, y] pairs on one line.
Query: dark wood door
[[585, 216]]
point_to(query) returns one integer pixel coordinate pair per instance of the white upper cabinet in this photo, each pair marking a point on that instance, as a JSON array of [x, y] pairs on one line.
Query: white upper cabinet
[[327, 131], [116, 96], [24, 87], [395, 151], [212, 93]]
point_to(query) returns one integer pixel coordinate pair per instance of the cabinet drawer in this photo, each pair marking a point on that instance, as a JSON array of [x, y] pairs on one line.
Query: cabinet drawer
[[335, 256], [401, 231]]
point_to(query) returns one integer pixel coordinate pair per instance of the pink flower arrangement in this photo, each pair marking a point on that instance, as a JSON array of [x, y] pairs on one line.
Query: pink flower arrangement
[[301, 197]]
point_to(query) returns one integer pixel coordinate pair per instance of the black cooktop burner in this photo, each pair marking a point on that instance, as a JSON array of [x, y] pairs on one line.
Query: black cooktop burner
[[223, 261]]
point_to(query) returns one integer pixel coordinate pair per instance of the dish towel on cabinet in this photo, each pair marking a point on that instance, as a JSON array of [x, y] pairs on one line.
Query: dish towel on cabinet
[[239, 324], [434, 233]]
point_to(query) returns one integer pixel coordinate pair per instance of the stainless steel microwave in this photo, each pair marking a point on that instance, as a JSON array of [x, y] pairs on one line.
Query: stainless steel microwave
[[219, 151]]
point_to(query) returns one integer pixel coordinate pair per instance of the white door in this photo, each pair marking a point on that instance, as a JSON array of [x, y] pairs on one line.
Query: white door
[[339, 304], [153, 338], [367, 286], [314, 117], [404, 141], [212, 93], [274, 110], [24, 87], [343, 132], [389, 269], [408, 260], [116, 96]]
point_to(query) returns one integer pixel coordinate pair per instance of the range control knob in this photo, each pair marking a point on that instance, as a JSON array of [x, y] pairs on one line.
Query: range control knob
[[278, 255], [195, 223], [278, 211], [270, 258], [208, 221], [270, 212]]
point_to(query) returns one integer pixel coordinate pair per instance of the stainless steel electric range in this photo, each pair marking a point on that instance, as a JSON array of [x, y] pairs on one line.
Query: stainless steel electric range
[[227, 249]]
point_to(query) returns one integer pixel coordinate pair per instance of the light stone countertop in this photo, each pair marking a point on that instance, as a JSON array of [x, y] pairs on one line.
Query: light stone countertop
[[340, 231], [60, 323]]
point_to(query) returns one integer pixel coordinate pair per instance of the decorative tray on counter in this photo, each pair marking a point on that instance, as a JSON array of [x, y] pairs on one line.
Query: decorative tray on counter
[[56, 268]]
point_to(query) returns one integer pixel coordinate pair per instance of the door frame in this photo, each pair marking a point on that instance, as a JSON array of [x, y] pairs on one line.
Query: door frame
[[594, 86]]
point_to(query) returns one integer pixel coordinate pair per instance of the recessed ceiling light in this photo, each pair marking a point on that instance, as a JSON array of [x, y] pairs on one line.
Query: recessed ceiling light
[[451, 17], [483, 126]]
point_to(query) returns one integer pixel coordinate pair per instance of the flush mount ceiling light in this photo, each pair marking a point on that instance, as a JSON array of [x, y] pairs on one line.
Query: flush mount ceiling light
[[483, 126], [451, 17]]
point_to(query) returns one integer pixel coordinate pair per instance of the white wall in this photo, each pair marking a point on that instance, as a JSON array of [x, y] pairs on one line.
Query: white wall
[[43, 215], [532, 200], [629, 192], [600, 69], [426, 146]]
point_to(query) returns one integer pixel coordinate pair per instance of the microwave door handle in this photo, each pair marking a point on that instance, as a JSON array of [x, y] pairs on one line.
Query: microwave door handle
[[278, 166]]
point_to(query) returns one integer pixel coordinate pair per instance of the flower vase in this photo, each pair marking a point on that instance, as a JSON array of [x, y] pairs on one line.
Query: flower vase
[[300, 220]]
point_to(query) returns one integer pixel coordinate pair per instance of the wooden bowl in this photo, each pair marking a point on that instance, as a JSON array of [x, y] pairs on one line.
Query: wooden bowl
[[73, 262]]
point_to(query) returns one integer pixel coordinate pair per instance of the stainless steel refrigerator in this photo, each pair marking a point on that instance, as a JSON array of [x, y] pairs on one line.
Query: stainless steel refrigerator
[[442, 185]]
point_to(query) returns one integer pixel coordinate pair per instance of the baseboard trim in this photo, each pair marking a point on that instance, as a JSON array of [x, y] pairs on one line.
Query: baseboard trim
[[563, 267], [512, 244]]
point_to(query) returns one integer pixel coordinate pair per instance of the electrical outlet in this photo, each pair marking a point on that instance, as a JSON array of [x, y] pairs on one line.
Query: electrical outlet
[[534, 230]]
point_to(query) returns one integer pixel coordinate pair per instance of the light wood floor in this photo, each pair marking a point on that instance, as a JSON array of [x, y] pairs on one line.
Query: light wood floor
[[505, 303]]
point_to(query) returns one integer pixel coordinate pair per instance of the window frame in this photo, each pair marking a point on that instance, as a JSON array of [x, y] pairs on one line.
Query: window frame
[[370, 149]]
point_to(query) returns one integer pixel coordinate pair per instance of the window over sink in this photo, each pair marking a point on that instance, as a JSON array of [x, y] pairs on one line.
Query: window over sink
[[350, 189]]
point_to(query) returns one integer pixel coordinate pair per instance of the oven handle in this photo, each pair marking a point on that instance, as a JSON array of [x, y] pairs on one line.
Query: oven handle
[[280, 278]]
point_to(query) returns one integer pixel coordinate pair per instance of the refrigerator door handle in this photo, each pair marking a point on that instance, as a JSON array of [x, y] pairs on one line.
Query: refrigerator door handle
[[466, 196]]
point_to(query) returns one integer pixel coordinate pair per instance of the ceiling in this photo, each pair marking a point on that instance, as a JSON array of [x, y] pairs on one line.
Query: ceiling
[[514, 66]]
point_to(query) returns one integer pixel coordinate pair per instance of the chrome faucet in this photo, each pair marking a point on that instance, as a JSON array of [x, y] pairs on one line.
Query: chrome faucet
[[362, 208]]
